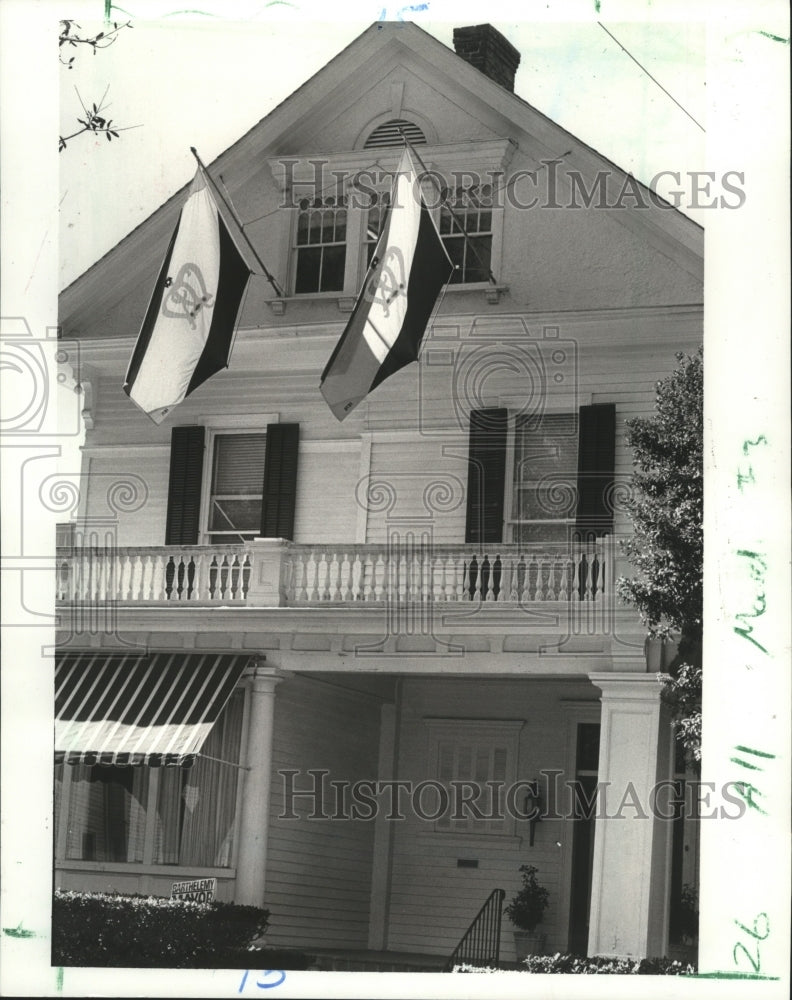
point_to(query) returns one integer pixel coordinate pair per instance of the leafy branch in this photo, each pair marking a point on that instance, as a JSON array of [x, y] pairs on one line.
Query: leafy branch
[[102, 40], [94, 121]]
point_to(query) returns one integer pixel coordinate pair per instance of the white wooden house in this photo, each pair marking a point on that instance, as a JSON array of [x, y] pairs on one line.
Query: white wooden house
[[422, 593]]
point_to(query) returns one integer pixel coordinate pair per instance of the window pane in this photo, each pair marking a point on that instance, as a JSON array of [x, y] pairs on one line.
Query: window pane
[[308, 264], [588, 738], [477, 264], [541, 532], [238, 463], [554, 500], [107, 813], [231, 515], [333, 269], [545, 476]]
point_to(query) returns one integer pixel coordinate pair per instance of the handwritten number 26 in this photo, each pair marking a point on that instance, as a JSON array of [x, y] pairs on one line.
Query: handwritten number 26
[[756, 933]]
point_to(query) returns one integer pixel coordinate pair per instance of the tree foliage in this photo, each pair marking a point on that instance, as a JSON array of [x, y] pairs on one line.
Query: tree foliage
[[666, 507]]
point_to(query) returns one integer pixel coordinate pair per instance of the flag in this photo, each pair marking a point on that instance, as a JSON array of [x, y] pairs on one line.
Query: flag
[[384, 332], [189, 325]]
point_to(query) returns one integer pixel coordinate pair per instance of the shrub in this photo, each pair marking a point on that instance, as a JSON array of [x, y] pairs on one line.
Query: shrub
[[527, 907], [604, 965], [110, 929]]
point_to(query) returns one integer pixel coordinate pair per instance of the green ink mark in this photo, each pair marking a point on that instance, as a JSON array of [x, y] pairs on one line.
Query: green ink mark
[[774, 38], [746, 791], [748, 477], [758, 753], [745, 632], [754, 444], [18, 931], [744, 763], [59, 980], [597, 6], [731, 975]]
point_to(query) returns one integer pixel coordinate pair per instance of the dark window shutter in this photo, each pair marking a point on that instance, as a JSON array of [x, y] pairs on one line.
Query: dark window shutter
[[182, 523], [486, 475], [596, 460], [280, 481]]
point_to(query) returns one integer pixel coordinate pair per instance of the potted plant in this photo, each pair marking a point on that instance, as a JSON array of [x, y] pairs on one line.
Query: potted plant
[[525, 911]]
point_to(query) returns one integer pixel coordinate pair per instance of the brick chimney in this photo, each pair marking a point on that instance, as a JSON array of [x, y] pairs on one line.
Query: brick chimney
[[486, 49]]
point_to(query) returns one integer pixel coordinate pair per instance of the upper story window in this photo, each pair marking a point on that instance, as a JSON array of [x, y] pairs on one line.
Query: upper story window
[[539, 477], [320, 245], [337, 207], [471, 254], [228, 486], [544, 478], [234, 507]]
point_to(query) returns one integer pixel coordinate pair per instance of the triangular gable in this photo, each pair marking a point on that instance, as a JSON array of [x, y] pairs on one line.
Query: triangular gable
[[343, 100]]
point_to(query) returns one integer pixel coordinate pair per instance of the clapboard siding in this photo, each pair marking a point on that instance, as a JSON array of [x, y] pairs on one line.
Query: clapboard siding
[[412, 479], [319, 870], [422, 402], [327, 507], [432, 900], [126, 495]]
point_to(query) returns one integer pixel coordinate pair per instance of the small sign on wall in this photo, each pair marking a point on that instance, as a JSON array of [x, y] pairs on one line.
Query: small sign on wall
[[200, 890]]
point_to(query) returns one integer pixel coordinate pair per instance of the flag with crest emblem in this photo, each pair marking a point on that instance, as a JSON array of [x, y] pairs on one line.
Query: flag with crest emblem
[[188, 329], [384, 333]]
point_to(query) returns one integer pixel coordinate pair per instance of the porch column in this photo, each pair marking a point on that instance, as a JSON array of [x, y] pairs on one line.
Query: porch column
[[254, 820], [632, 843]]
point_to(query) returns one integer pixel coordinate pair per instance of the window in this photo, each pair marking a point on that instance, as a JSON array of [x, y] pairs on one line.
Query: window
[[476, 762], [246, 488], [168, 816], [234, 513], [534, 478], [471, 209], [320, 245], [544, 481]]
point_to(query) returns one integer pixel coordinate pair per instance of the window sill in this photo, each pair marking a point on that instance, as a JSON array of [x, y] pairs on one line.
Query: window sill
[[493, 293], [345, 303], [138, 868]]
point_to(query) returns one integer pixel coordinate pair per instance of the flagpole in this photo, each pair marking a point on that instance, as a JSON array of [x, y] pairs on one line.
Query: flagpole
[[238, 221], [453, 214]]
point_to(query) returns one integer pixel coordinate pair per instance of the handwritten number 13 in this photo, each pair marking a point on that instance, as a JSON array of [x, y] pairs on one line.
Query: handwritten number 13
[[755, 933], [265, 973]]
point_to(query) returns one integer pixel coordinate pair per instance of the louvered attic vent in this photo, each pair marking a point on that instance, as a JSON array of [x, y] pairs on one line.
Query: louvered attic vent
[[387, 135]]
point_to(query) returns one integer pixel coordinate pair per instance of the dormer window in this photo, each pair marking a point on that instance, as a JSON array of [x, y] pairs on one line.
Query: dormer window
[[321, 245], [392, 133]]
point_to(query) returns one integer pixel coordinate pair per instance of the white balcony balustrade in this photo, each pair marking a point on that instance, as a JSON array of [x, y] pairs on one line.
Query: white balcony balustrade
[[276, 573], [216, 574]]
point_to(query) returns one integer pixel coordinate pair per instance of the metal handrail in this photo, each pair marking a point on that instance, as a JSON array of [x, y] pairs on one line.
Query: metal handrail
[[480, 944]]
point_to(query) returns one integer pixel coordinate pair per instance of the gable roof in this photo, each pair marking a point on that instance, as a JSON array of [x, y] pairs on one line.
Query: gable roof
[[289, 126]]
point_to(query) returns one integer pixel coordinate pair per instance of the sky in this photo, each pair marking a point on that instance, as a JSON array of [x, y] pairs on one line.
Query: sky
[[205, 80]]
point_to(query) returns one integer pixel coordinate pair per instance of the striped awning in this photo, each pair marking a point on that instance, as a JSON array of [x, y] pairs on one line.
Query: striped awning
[[131, 709]]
